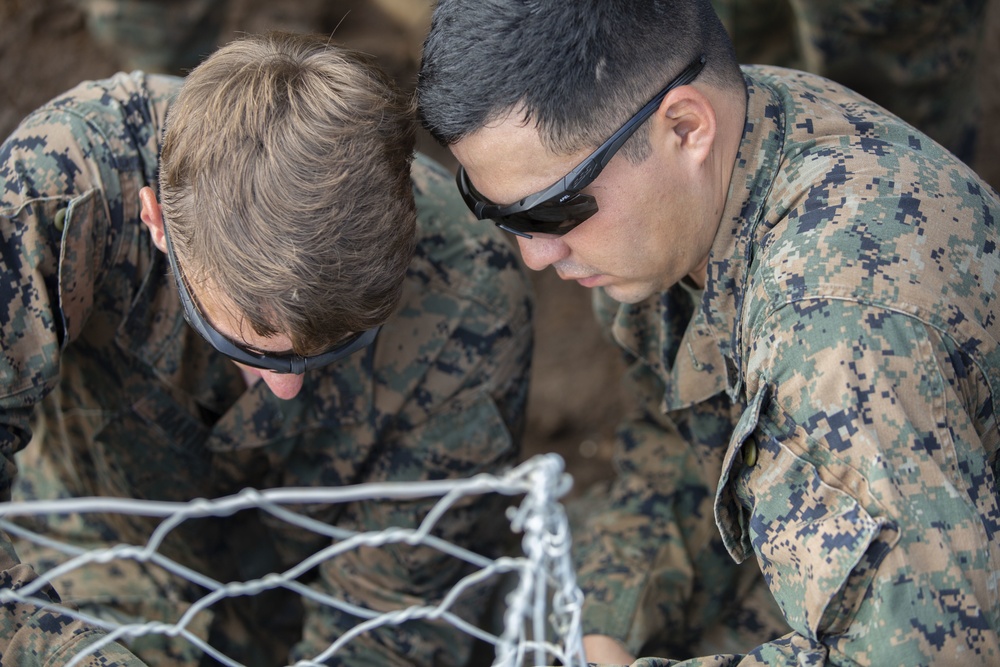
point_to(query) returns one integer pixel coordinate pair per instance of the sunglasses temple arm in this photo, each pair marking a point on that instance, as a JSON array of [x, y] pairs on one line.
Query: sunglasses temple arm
[[617, 140], [513, 231]]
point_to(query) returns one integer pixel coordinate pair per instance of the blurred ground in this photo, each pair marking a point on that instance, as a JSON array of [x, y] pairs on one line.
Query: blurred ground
[[45, 48]]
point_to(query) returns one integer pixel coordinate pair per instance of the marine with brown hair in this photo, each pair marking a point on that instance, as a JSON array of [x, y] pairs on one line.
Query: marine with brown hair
[[245, 279]]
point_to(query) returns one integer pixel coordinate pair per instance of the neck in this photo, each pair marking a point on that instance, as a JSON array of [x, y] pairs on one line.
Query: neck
[[731, 118]]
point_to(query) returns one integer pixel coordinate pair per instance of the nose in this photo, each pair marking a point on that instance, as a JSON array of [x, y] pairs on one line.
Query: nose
[[542, 250], [282, 385]]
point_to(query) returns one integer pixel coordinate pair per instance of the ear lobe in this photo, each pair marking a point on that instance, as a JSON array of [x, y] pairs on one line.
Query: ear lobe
[[152, 216]]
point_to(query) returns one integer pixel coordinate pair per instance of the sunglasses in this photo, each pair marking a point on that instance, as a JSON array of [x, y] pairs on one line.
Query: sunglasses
[[279, 363], [561, 206]]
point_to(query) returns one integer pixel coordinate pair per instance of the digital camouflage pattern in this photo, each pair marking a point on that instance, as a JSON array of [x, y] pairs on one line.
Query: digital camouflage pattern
[[822, 412], [137, 405], [918, 59]]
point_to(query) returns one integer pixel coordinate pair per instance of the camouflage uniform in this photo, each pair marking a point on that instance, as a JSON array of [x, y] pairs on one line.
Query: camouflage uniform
[[137, 405], [918, 59], [821, 412], [170, 36]]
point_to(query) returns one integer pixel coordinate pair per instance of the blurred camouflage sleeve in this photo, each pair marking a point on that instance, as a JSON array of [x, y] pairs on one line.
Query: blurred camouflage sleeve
[[65, 161], [451, 381], [32, 210], [60, 163], [40, 636], [650, 545]]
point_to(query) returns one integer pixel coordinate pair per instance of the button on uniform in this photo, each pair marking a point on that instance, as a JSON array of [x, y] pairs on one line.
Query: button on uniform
[[750, 453]]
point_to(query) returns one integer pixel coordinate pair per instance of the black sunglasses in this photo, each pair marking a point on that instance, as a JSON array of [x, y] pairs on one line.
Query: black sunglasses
[[561, 207], [279, 363]]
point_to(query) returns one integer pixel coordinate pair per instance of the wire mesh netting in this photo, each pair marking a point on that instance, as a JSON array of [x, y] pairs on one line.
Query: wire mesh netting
[[540, 611]]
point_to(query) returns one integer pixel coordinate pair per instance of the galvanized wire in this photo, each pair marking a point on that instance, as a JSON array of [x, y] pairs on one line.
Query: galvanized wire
[[541, 621]]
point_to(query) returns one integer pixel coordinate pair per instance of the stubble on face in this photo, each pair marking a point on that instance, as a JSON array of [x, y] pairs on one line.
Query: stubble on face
[[635, 246]]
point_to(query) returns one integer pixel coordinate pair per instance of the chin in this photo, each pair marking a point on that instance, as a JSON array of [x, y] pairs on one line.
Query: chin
[[630, 293]]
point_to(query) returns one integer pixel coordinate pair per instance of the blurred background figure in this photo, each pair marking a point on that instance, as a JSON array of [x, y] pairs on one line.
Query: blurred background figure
[[172, 36], [156, 36], [918, 59]]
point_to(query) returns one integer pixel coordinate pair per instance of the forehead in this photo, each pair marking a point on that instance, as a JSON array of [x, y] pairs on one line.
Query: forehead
[[506, 160]]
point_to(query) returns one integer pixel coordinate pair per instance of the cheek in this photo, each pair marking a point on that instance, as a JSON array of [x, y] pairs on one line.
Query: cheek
[[635, 195], [629, 218]]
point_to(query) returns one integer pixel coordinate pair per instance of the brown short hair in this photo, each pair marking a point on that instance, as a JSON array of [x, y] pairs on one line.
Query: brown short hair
[[284, 177]]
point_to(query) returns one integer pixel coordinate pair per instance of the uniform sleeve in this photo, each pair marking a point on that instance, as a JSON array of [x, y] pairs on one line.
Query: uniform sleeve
[[865, 490], [645, 548], [452, 386], [32, 636], [29, 317], [55, 240], [649, 543]]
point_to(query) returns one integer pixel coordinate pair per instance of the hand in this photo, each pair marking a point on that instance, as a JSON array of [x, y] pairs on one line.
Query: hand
[[606, 650]]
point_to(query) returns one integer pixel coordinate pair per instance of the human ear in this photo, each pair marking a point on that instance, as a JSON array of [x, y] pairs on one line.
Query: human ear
[[690, 122], [152, 216]]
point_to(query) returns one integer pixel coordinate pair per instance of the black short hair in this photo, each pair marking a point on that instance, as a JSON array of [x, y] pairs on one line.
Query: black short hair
[[576, 68]]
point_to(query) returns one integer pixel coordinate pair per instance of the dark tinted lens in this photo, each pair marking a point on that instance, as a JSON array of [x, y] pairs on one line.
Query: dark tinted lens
[[555, 216]]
